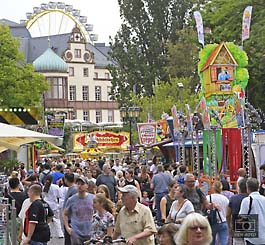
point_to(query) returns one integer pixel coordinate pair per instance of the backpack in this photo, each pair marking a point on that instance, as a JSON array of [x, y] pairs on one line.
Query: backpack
[[45, 176], [180, 179]]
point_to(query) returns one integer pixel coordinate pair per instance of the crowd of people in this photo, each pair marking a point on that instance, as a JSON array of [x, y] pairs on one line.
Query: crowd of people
[[146, 203]]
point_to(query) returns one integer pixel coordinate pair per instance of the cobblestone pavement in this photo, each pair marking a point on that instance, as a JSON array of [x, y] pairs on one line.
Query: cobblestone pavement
[[56, 241]]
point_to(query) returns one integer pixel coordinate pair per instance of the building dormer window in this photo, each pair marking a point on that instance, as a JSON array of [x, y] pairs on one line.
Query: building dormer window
[[77, 53]]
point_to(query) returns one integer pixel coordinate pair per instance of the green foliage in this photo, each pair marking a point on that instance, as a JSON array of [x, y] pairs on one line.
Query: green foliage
[[8, 165], [140, 47], [242, 77], [19, 84], [183, 56], [165, 96]]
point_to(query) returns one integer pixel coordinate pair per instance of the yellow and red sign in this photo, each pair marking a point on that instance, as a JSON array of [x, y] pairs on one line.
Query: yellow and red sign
[[101, 139]]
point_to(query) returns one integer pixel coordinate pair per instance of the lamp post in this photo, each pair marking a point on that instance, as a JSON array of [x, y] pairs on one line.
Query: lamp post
[[130, 114]]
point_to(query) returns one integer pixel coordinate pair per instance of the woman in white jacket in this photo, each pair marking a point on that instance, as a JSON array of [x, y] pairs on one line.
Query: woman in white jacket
[[51, 194]]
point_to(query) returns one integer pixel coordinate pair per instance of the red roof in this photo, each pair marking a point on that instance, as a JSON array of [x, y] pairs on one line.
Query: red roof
[[211, 57], [214, 54]]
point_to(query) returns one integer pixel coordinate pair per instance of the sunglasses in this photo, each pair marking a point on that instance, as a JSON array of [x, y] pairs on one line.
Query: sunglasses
[[195, 228]]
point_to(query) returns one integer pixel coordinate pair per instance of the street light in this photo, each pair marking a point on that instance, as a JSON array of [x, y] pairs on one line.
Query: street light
[[130, 114]]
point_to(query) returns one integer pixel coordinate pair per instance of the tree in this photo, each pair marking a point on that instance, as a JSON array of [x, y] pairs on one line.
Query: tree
[[225, 20], [165, 96], [183, 56], [19, 84], [140, 47]]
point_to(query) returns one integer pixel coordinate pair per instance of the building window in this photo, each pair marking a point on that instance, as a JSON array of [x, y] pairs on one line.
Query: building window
[[85, 93], [109, 93], [71, 71], [98, 116], [86, 116], [106, 75], [110, 116], [96, 75], [77, 53], [98, 93], [72, 93], [57, 88], [85, 72]]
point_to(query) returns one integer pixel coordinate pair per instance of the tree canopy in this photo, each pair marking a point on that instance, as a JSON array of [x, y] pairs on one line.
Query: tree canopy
[[140, 47], [165, 96], [19, 84]]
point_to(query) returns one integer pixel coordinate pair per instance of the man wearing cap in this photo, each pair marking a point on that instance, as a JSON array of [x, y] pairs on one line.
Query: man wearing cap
[[79, 209], [134, 222]]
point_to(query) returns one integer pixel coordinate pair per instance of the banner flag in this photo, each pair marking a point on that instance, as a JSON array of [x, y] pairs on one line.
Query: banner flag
[[246, 23], [189, 118], [199, 25], [175, 116], [205, 114], [147, 133]]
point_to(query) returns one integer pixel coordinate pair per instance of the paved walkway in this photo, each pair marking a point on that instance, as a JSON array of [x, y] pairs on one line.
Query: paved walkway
[[56, 241]]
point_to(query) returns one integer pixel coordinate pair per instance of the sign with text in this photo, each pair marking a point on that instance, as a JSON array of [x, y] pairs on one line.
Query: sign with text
[[147, 133], [100, 139], [55, 124]]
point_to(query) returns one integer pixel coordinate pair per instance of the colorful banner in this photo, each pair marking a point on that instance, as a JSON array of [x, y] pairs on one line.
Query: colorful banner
[[246, 23], [100, 139], [147, 133], [205, 114], [175, 116], [199, 25], [55, 124], [189, 118]]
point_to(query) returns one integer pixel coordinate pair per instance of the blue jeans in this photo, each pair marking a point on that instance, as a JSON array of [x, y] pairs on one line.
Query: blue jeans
[[220, 229], [158, 198], [37, 243]]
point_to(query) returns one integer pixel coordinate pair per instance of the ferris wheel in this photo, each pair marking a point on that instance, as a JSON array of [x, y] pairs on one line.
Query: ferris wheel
[[55, 18]]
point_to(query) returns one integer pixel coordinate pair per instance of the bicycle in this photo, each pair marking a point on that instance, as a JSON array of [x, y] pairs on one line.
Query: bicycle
[[107, 240]]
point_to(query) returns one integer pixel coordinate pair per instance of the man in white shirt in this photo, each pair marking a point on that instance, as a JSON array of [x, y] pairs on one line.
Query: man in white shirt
[[117, 165], [257, 207]]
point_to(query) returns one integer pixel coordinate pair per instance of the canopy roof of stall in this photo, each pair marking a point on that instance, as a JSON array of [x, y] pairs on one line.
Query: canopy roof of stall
[[12, 137]]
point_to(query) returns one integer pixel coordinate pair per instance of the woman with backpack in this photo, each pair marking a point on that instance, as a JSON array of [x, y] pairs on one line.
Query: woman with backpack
[[219, 228], [51, 194]]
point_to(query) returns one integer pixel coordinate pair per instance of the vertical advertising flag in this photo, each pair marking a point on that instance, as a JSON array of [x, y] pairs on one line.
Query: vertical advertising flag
[[189, 119], [246, 23], [199, 25], [147, 133], [175, 116], [205, 114]]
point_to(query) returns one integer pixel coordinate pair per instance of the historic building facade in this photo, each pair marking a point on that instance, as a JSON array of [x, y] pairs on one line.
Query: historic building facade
[[77, 73]]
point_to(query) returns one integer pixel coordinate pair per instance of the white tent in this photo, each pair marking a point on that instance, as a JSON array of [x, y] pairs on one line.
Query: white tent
[[12, 137]]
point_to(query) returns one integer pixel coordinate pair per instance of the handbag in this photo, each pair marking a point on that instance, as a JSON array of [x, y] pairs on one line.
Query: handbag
[[211, 214]]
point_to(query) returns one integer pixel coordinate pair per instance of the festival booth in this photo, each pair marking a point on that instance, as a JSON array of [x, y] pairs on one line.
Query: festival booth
[[100, 143]]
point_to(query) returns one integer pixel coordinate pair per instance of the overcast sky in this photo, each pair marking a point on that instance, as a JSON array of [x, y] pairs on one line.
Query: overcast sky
[[103, 14]]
